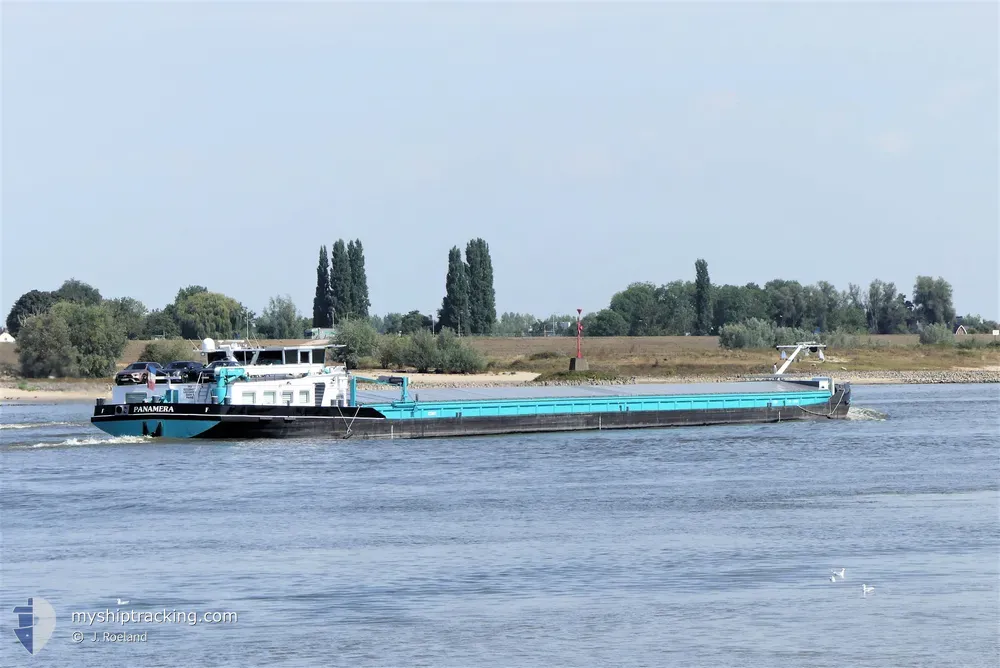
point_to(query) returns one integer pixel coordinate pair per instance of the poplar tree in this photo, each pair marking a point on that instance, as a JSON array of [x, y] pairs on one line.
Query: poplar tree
[[322, 316], [702, 299], [359, 280], [482, 298], [340, 281], [455, 306]]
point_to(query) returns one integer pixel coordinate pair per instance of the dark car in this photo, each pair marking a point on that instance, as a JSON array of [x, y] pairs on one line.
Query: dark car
[[137, 373], [179, 370]]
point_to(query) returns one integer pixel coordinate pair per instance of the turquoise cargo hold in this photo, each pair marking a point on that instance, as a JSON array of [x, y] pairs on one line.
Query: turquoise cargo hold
[[520, 407]]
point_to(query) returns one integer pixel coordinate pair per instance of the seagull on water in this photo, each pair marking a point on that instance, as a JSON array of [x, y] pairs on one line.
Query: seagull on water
[[840, 573], [865, 590], [121, 602], [833, 578]]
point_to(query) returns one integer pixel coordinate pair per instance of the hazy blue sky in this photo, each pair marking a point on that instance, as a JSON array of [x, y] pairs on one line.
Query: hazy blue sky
[[148, 146]]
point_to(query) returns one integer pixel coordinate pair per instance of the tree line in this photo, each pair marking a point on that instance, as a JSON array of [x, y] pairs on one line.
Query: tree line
[[74, 331], [699, 307]]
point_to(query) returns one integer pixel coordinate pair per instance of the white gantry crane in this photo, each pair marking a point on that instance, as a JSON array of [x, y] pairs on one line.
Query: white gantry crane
[[811, 346]]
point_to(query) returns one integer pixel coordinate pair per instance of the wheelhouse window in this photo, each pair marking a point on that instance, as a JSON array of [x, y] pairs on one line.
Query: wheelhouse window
[[269, 398], [303, 357], [287, 396], [303, 396], [270, 357], [243, 356], [249, 397]]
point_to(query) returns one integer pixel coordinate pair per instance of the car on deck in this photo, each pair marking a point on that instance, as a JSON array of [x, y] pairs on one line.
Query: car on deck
[[179, 370], [137, 373]]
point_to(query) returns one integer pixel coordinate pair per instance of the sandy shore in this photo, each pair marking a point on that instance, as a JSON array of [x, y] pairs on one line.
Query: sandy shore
[[49, 392], [41, 395]]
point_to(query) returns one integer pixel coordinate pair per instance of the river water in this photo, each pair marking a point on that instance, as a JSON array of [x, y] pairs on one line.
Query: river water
[[708, 546]]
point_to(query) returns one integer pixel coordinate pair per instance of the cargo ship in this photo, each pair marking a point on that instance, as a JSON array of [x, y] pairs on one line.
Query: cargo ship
[[289, 391]]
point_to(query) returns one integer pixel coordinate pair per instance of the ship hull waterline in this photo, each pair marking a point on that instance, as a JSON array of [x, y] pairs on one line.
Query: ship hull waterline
[[214, 421]]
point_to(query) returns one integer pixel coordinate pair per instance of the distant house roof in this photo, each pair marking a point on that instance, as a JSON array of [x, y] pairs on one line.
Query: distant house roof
[[961, 330], [5, 336]]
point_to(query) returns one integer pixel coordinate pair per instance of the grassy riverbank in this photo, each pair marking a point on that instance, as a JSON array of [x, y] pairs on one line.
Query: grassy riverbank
[[671, 356]]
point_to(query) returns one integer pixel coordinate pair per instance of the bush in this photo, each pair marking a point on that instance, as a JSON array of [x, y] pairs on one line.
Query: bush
[[757, 333], [544, 355], [391, 351], [463, 359], [163, 352], [422, 352], [937, 334], [359, 339], [753, 333], [969, 343]]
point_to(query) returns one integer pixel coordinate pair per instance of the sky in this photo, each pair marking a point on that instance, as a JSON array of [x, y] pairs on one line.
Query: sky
[[147, 146]]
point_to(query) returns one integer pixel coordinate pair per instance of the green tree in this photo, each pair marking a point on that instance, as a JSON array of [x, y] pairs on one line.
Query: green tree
[[130, 314], [98, 340], [44, 347], [732, 304], [482, 297], [189, 291], [823, 306], [606, 322], [79, 292], [454, 311], [161, 322], [639, 309], [280, 319], [787, 302], [885, 313], [322, 306], [392, 323], [413, 322], [675, 302], [359, 279], [932, 301], [702, 299], [340, 281], [33, 302], [210, 315], [852, 316]]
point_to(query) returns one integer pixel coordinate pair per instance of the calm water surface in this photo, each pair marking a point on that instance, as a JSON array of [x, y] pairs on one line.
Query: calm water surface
[[704, 546]]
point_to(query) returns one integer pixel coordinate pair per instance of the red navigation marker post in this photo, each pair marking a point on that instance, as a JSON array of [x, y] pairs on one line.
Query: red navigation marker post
[[579, 332]]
